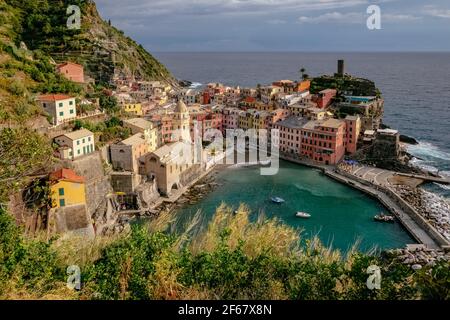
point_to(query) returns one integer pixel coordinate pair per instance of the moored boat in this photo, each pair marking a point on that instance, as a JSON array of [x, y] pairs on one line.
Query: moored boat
[[277, 199], [303, 215], [384, 218]]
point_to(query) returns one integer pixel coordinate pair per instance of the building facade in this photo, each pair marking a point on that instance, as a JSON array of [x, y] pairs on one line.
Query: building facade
[[61, 108], [76, 144], [67, 188]]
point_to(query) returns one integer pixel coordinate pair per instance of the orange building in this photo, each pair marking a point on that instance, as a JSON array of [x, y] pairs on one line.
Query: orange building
[[72, 71]]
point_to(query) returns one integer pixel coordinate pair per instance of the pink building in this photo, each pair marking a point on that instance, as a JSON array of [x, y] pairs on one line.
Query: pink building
[[72, 71], [325, 98], [206, 119], [353, 130], [324, 141], [230, 118], [290, 135]]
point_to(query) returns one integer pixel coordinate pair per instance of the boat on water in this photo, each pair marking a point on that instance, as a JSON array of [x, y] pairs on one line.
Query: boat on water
[[277, 199], [384, 218], [302, 215]]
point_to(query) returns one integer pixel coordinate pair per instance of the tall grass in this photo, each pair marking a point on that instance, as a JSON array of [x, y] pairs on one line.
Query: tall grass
[[232, 258]]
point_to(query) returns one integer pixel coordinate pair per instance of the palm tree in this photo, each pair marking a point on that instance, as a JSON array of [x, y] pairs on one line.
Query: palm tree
[[305, 76], [302, 71]]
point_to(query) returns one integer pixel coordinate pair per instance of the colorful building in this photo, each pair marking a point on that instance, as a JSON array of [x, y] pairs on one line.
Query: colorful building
[[60, 107], [76, 144], [125, 155], [71, 71], [67, 188], [148, 129], [324, 141], [290, 131], [134, 108], [353, 131], [325, 98], [230, 118]]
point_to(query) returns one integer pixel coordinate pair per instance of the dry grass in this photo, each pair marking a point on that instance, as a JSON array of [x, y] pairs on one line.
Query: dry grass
[[262, 236], [75, 250]]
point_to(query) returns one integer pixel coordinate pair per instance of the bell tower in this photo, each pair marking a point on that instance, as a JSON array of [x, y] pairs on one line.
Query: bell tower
[[181, 122]]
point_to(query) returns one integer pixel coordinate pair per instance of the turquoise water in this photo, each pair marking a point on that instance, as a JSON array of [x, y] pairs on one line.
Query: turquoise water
[[340, 215]]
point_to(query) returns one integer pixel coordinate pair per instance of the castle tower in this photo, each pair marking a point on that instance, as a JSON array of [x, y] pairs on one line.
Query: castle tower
[[341, 68], [181, 122]]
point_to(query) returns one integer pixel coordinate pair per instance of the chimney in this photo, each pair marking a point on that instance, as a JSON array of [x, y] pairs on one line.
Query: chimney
[[341, 68]]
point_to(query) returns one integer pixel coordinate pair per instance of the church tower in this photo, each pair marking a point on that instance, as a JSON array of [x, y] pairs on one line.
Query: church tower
[[181, 123]]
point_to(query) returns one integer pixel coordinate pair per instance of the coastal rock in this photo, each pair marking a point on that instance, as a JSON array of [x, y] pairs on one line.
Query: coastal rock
[[409, 140]]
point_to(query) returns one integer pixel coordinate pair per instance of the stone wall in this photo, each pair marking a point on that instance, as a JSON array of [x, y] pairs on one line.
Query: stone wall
[[71, 219], [126, 182], [190, 174], [97, 183]]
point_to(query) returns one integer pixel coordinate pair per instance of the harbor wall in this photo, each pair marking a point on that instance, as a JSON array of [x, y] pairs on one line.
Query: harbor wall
[[372, 189]]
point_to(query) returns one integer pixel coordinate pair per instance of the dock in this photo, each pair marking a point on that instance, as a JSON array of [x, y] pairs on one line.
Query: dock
[[440, 180]]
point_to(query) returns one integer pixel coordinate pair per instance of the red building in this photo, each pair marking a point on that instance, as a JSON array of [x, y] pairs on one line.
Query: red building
[[72, 71], [325, 98]]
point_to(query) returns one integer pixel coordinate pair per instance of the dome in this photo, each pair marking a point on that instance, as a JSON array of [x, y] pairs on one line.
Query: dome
[[181, 107]]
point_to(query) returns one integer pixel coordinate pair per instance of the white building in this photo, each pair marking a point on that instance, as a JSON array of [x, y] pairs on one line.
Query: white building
[[60, 107], [190, 96], [76, 144]]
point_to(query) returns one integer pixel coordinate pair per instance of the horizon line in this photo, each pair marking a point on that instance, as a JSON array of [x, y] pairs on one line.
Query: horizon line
[[287, 51]]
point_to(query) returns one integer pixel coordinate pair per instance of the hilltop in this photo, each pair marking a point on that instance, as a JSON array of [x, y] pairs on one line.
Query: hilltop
[[34, 37]]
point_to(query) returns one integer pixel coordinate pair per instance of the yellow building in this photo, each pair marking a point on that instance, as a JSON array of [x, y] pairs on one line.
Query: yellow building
[[151, 134], [134, 108], [67, 188], [265, 107]]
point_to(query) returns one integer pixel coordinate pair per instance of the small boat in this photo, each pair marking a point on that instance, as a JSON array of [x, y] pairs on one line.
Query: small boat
[[277, 200], [303, 215], [384, 218]]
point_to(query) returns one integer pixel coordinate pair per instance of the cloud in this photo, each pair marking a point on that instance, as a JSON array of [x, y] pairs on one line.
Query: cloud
[[276, 21], [354, 18], [333, 17], [151, 8], [437, 12], [399, 17]]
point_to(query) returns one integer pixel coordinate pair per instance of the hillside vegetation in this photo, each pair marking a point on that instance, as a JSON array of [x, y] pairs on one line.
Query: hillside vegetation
[[231, 259], [34, 36]]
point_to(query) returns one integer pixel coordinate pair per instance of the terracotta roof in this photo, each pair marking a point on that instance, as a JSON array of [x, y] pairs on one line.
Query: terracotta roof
[[54, 97], [67, 175], [67, 63], [250, 100]]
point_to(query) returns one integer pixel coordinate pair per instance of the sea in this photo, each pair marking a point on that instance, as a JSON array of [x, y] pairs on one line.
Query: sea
[[415, 86]]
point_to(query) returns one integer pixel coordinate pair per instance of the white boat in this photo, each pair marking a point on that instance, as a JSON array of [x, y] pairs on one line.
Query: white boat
[[277, 200], [303, 215]]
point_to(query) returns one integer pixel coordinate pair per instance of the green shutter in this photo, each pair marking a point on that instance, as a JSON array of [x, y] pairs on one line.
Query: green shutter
[[62, 203], [61, 191]]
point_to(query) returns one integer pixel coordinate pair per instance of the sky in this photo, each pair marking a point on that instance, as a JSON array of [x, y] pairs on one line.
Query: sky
[[281, 25]]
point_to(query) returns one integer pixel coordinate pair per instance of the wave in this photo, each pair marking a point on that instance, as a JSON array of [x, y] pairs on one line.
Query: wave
[[425, 165], [426, 150], [195, 85], [442, 186]]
